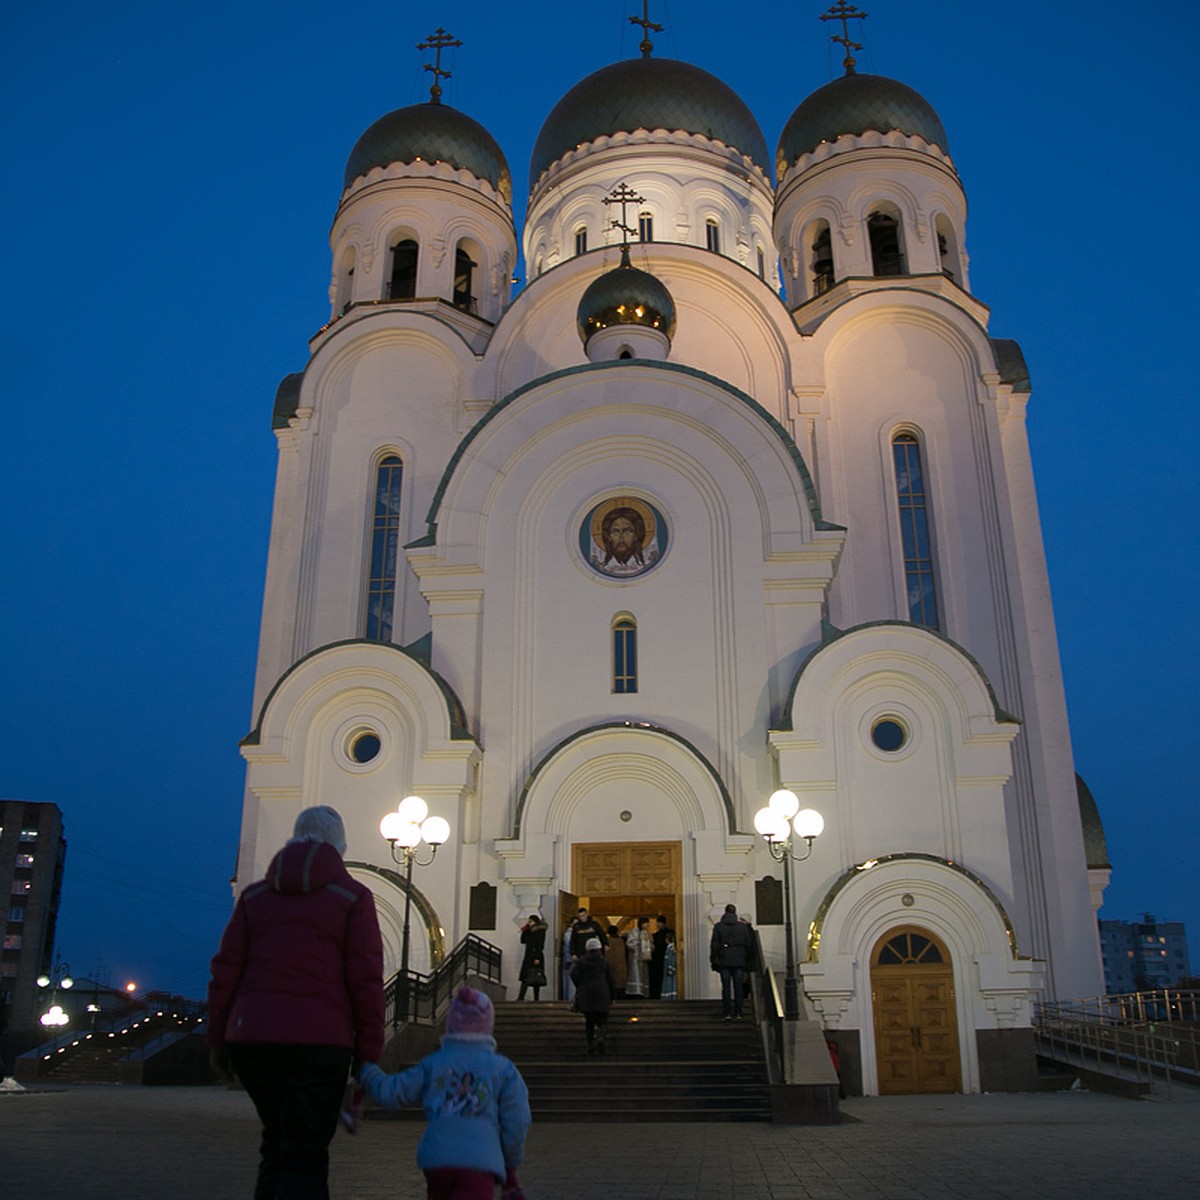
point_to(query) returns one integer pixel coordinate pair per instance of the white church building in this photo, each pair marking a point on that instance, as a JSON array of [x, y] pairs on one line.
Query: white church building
[[597, 567]]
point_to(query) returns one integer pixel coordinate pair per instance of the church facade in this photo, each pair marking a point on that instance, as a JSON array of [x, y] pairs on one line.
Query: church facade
[[733, 495]]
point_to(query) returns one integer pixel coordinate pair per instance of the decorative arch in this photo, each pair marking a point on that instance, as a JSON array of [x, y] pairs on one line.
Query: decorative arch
[[559, 781], [994, 987], [387, 888]]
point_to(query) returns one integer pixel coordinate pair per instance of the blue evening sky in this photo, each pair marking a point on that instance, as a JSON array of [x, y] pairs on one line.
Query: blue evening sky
[[173, 173]]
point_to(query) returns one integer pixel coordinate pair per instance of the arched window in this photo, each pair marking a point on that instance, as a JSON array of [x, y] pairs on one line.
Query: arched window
[[762, 264], [345, 283], [624, 645], [403, 282], [464, 276], [712, 235], [581, 240], [948, 249], [887, 256], [822, 260], [645, 227], [385, 545], [919, 580]]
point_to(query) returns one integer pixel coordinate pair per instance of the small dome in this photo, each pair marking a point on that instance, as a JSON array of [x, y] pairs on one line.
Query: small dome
[[625, 296], [855, 104], [647, 93], [434, 133], [1094, 842]]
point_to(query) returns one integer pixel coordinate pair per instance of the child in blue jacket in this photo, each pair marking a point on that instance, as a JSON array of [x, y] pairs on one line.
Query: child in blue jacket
[[475, 1100]]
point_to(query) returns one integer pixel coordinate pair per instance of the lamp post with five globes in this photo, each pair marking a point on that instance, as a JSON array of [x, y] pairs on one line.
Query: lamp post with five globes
[[407, 829], [778, 823], [59, 977]]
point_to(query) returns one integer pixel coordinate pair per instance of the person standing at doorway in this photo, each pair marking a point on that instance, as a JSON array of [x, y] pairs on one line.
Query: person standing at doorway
[[615, 953], [660, 939], [638, 951], [585, 926], [729, 953], [533, 964]]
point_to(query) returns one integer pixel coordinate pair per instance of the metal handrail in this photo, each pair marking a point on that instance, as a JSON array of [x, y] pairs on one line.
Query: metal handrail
[[1150, 1035], [421, 999]]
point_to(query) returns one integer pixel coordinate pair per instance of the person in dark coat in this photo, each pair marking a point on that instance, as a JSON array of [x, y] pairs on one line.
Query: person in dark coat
[[594, 991], [729, 953], [533, 965], [660, 939], [296, 994], [583, 927]]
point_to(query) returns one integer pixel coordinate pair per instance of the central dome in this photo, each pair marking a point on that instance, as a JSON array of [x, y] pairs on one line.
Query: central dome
[[648, 93], [433, 133]]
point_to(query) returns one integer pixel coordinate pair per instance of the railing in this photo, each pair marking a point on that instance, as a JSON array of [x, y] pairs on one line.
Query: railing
[[769, 1005], [1145, 1035], [422, 999]]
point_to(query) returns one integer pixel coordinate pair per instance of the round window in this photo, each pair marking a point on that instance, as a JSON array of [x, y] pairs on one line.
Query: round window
[[364, 746], [888, 735]]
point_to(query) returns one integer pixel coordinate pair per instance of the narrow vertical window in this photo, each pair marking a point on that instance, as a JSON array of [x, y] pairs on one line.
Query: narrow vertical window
[[581, 240], [762, 264], [712, 235], [645, 227], [624, 641], [464, 275], [385, 545], [403, 283], [920, 584]]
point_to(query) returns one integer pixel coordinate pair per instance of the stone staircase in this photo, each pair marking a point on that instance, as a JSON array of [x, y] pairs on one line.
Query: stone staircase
[[115, 1055], [664, 1061]]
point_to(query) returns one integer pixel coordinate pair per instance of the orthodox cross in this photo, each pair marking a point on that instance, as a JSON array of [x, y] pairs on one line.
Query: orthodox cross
[[644, 21], [435, 42], [623, 194], [841, 11]]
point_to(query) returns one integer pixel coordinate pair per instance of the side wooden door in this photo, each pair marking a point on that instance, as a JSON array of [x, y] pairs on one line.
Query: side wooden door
[[916, 1031]]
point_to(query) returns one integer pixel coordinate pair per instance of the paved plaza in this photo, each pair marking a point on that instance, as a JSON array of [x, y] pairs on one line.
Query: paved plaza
[[113, 1143]]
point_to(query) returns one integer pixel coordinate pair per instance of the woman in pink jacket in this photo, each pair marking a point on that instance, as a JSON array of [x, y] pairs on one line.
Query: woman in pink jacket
[[296, 994]]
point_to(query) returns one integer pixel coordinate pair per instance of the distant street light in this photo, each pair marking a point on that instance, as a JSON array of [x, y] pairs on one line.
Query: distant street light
[[778, 823], [59, 977], [407, 829]]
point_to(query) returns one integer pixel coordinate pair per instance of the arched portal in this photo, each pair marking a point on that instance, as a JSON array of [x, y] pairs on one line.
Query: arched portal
[[916, 1032], [630, 813]]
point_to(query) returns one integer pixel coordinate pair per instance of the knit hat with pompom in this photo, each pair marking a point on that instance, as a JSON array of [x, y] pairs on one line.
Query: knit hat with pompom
[[470, 1012]]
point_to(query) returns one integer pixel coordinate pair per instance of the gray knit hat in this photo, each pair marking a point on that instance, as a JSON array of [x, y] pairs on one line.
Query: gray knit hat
[[321, 824]]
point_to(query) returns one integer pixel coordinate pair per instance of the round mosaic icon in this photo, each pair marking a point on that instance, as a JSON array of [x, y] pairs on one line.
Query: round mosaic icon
[[623, 537]]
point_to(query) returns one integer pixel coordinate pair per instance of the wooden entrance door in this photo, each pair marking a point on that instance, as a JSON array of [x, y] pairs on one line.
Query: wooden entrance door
[[625, 880], [916, 1032]]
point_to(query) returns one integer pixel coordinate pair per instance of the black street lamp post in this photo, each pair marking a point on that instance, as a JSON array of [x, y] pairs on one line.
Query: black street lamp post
[[408, 829], [778, 823]]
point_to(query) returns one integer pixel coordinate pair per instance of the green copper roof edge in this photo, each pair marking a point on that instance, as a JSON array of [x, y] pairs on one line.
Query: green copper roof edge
[[793, 450], [647, 727], [830, 633], [817, 925], [459, 731]]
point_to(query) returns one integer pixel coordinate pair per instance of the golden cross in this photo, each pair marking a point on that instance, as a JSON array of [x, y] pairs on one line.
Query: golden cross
[[841, 11], [644, 21], [435, 42], [623, 194]]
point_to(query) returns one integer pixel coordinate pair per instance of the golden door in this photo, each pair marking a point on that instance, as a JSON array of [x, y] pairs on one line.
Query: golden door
[[624, 880], [916, 1033]]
